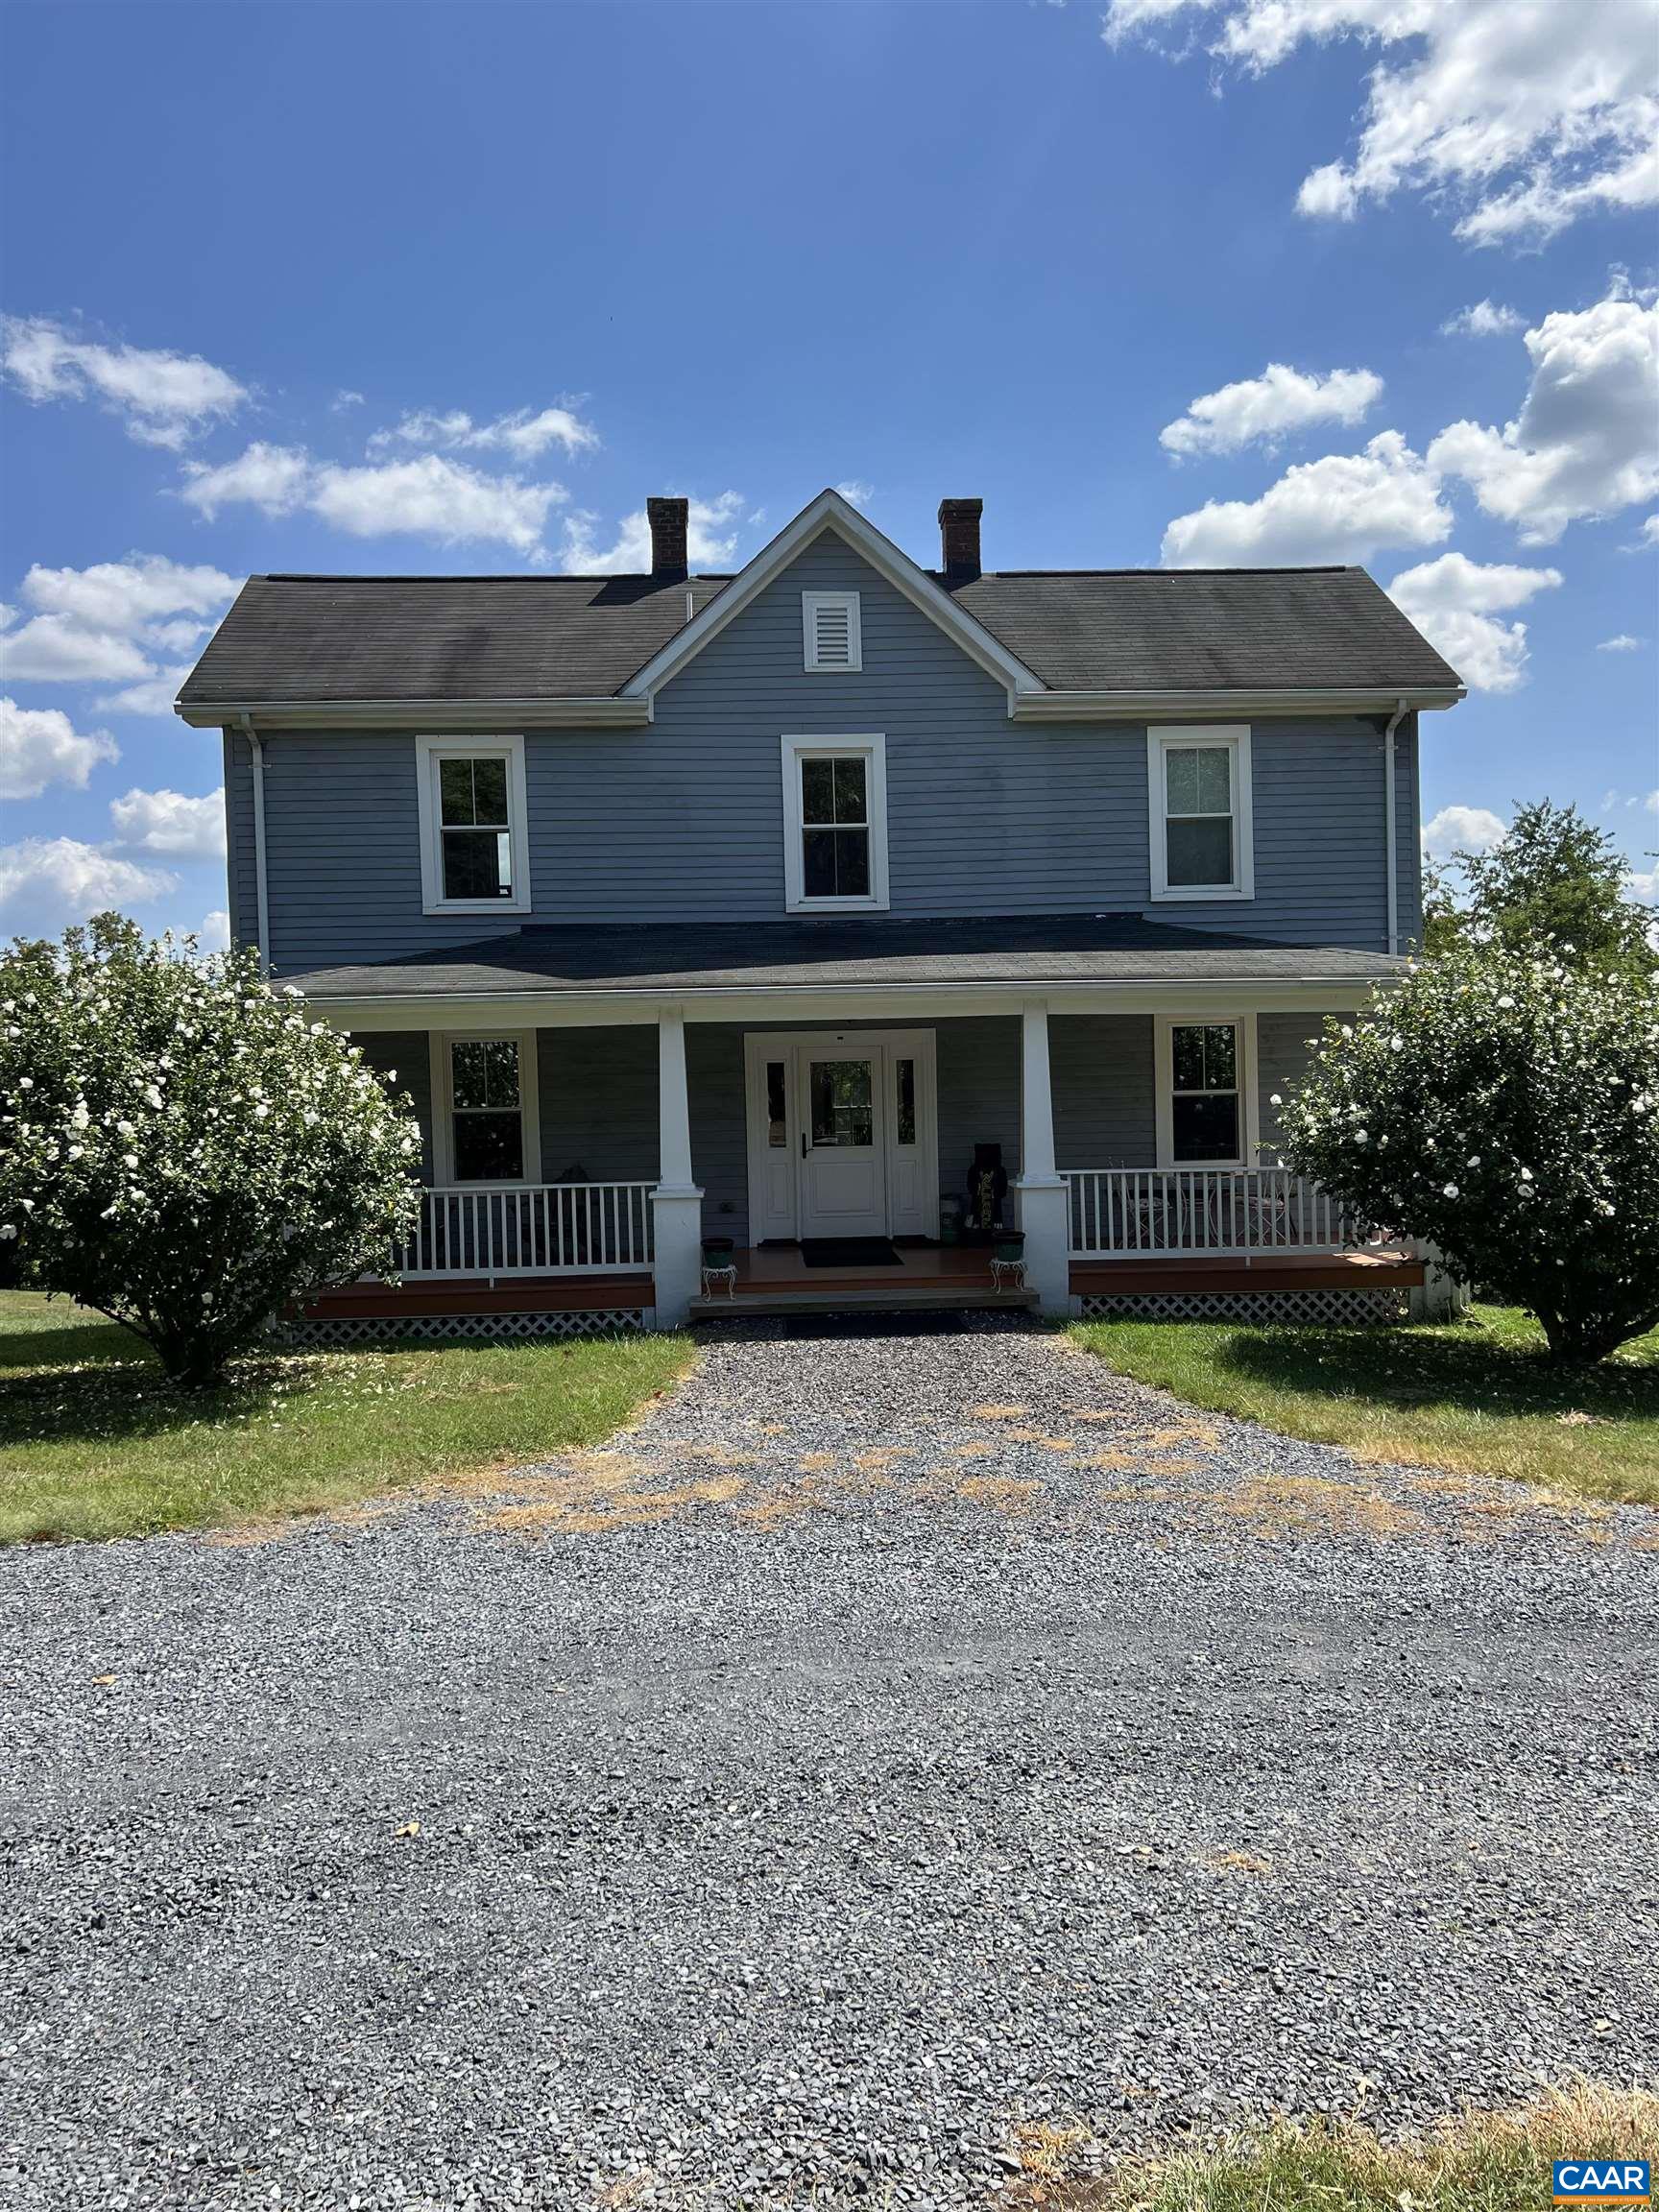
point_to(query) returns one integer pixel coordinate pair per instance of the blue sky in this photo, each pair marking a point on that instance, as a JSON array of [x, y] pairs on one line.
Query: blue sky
[[389, 287]]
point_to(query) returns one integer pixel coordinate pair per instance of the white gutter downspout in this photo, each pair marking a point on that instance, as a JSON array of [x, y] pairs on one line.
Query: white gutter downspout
[[257, 746], [1391, 825]]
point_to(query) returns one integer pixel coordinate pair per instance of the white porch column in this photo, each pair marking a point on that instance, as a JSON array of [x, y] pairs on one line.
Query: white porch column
[[1044, 1207], [675, 1202], [1441, 1297]]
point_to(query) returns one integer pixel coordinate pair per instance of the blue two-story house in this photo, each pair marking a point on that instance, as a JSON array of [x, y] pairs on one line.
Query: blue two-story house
[[798, 910]]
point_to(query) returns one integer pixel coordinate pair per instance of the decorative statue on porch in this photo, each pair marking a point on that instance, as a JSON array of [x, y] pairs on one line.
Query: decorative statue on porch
[[987, 1188]]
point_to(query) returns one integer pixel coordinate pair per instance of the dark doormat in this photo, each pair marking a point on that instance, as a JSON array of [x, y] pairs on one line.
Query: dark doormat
[[849, 1252]]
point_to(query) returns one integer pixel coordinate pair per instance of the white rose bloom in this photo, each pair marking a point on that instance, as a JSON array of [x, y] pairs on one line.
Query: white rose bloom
[[1450, 1191]]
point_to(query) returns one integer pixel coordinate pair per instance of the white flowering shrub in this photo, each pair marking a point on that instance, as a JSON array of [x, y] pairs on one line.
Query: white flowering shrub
[[1505, 1109], [181, 1147]]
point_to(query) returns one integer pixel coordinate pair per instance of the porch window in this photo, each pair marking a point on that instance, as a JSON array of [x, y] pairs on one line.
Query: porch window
[[1204, 1093], [474, 852], [1199, 784], [835, 824], [484, 1088], [776, 1107]]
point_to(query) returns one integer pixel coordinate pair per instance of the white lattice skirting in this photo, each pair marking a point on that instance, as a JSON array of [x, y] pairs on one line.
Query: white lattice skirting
[[1349, 1308], [490, 1328]]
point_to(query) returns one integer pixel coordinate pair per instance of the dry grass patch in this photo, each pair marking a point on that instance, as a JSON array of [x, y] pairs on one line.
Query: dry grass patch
[[1270, 1506], [1477, 2162], [998, 1412], [1005, 1492], [1238, 1862]]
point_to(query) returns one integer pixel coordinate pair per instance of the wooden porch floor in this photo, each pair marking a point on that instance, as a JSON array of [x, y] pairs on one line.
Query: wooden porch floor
[[775, 1279]]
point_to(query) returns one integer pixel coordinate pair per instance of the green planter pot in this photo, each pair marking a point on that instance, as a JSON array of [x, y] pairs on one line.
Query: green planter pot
[[1008, 1244]]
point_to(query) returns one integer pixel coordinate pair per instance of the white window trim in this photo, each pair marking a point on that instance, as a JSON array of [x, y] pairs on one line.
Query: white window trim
[[871, 747], [429, 752], [1235, 735], [1164, 1084], [443, 1104], [811, 602]]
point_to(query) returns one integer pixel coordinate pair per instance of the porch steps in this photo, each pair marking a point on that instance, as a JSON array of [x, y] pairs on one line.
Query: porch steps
[[948, 1298]]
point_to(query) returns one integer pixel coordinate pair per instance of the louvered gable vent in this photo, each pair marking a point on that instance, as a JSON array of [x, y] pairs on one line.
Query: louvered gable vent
[[830, 623]]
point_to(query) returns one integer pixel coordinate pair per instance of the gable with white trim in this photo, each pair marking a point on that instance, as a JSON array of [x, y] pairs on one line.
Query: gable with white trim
[[878, 553]]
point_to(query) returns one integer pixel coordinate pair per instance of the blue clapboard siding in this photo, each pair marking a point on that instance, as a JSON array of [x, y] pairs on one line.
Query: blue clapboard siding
[[1281, 1053], [406, 1053], [683, 820]]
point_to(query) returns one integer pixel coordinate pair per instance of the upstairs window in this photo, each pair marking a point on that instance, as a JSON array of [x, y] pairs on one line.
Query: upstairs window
[[835, 824], [833, 644], [1199, 787], [474, 852]]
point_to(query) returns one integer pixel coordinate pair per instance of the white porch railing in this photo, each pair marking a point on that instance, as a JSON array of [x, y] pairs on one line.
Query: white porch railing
[[1168, 1213], [534, 1229]]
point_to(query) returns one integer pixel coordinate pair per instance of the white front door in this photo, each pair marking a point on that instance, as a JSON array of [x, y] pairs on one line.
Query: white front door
[[843, 1140]]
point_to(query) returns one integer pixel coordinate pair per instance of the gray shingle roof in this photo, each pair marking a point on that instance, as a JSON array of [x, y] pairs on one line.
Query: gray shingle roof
[[320, 638], [1191, 629], [775, 955], [293, 638]]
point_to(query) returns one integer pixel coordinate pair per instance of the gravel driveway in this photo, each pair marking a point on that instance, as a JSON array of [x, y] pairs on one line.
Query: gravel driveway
[[898, 1740]]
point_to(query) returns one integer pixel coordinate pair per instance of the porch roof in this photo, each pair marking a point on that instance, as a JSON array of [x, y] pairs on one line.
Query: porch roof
[[684, 959]]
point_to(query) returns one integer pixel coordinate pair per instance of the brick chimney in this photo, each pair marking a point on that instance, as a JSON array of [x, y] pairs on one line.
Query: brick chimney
[[959, 537], [668, 519]]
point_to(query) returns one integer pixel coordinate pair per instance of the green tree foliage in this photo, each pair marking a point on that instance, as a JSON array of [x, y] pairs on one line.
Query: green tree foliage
[[180, 1148], [1505, 1109], [1555, 885]]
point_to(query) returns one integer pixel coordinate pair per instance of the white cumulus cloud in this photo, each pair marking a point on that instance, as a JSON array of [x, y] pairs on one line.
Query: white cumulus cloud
[[1521, 114], [153, 694], [38, 746], [1462, 830], [130, 595], [428, 497], [213, 932], [710, 543], [1263, 410], [1344, 507], [1484, 320], [1586, 441], [162, 398], [1455, 601], [54, 649], [103, 625], [169, 823], [1623, 644], [855, 491], [522, 434], [47, 883]]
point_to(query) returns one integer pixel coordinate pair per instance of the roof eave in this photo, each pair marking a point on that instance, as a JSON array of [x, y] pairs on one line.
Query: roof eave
[[436, 715], [1165, 706]]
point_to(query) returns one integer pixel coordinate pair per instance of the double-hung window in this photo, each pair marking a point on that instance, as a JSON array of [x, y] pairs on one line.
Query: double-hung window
[[1199, 785], [484, 1088], [835, 824], [474, 850], [1203, 1093]]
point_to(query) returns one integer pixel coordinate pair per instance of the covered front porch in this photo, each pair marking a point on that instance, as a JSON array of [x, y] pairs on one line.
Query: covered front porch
[[653, 1167]]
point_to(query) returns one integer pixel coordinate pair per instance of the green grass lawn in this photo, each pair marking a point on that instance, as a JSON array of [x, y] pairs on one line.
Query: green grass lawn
[[1478, 1396], [93, 1442]]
